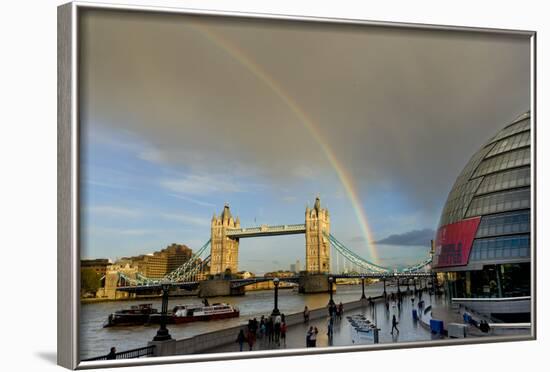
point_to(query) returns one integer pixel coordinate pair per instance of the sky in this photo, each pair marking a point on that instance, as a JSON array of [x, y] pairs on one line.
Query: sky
[[182, 114]]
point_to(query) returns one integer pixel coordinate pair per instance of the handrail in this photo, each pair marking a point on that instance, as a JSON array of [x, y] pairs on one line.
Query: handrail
[[128, 354]]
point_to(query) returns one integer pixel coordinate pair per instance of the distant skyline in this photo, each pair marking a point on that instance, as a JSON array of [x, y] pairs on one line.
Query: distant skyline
[[181, 115]]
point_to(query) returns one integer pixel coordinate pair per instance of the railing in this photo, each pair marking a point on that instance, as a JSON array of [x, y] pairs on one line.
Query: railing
[[141, 352]]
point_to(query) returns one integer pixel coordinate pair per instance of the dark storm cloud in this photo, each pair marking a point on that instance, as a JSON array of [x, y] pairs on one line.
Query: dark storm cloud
[[399, 107], [414, 237]]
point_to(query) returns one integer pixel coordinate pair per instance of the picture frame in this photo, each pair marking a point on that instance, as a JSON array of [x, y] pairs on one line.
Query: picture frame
[[69, 198]]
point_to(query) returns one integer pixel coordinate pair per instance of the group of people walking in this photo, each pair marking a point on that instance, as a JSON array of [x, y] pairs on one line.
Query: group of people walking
[[271, 329]]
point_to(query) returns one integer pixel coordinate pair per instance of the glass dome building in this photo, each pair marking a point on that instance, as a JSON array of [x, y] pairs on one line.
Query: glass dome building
[[482, 245]]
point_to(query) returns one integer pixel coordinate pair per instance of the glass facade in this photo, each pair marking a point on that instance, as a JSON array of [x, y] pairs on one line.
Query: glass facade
[[522, 125], [504, 224], [495, 186], [519, 177], [500, 202], [495, 281], [500, 248], [504, 161], [511, 143]]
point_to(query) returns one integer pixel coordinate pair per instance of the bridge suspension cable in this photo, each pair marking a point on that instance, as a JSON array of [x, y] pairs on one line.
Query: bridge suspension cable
[[354, 258], [191, 267], [359, 262], [186, 272]]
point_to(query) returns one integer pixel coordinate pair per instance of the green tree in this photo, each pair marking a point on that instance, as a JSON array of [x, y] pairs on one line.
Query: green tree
[[90, 281]]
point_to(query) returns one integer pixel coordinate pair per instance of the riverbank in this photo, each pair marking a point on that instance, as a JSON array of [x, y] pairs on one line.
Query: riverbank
[[210, 341]]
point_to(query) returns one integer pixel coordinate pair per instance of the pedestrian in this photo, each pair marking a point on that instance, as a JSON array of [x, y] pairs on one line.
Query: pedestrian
[[112, 353], [412, 301], [251, 338], [277, 329], [255, 326], [270, 329], [205, 302], [306, 314], [262, 328], [313, 337], [387, 306], [241, 338], [283, 332], [394, 323], [330, 327], [340, 310], [308, 336]]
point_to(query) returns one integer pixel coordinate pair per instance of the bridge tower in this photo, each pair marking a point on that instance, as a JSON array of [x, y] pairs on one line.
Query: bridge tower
[[317, 244], [224, 250]]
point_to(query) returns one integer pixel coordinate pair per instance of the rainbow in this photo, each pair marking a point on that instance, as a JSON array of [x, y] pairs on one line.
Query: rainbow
[[344, 177]]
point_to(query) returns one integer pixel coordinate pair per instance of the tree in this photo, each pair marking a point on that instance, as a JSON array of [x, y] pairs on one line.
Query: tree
[[90, 281]]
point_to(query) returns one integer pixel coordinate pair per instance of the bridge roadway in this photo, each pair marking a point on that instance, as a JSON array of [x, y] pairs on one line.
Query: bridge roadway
[[265, 230], [237, 283]]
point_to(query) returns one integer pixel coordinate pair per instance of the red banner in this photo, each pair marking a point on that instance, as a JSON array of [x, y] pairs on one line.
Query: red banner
[[454, 243]]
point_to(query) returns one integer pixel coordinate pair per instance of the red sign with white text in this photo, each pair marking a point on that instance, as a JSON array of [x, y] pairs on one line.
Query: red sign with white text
[[454, 243]]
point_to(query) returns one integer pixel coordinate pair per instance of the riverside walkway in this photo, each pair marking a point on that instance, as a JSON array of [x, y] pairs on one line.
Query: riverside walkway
[[343, 335]]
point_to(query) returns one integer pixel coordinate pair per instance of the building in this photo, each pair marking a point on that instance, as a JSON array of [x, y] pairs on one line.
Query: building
[[295, 267], [482, 247], [158, 264], [99, 265]]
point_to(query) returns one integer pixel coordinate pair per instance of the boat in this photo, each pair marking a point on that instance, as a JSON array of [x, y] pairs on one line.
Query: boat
[[135, 315], [198, 312]]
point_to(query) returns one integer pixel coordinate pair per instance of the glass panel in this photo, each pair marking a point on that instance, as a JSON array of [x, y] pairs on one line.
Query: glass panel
[[515, 128], [506, 223], [504, 161], [511, 143], [500, 202], [502, 247]]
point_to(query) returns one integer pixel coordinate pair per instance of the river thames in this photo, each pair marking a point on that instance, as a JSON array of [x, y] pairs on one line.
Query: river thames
[[96, 340]]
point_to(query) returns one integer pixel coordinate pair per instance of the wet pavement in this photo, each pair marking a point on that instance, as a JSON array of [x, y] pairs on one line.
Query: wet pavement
[[345, 335]]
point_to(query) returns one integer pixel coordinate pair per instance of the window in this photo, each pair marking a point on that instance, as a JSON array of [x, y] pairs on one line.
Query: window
[[504, 161], [511, 143], [518, 127], [500, 202], [504, 247], [506, 223], [505, 180]]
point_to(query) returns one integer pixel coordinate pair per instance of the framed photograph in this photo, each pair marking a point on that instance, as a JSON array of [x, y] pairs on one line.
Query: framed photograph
[[235, 185]]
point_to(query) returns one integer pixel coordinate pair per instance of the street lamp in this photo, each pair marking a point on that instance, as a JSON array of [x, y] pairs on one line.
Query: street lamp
[[162, 333], [276, 311], [363, 287], [330, 281]]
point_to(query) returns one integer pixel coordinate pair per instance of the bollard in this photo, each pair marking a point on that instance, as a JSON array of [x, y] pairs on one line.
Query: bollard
[[375, 334]]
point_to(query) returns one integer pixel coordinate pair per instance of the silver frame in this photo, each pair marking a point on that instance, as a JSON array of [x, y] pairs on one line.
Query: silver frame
[[68, 202]]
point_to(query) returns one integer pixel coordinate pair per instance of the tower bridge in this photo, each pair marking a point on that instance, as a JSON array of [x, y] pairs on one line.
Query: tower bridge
[[226, 233], [219, 258]]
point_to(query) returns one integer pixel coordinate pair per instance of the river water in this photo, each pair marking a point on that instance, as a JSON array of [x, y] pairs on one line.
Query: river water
[[96, 340]]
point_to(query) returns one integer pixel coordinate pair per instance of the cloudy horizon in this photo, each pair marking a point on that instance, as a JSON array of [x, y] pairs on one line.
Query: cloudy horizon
[[181, 114]]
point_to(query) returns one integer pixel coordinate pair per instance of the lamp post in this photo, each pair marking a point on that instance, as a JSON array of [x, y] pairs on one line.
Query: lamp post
[[414, 283], [385, 294], [162, 333], [363, 287], [276, 311], [330, 281]]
